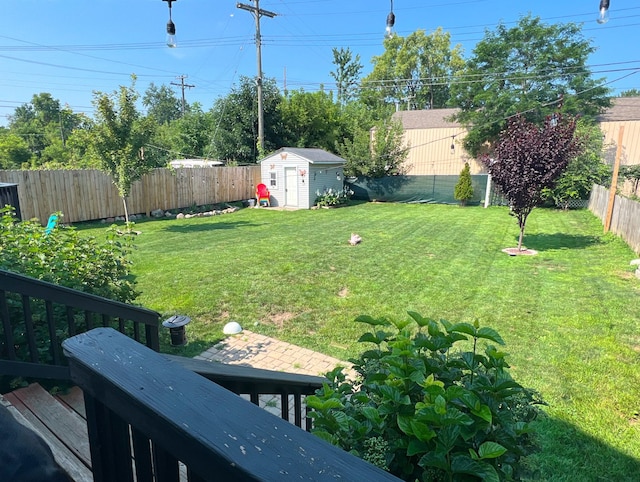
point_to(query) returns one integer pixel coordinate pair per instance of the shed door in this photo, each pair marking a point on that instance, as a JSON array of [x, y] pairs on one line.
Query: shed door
[[290, 186]]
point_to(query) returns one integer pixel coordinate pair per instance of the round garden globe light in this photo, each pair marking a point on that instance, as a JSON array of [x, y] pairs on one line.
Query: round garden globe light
[[232, 328]]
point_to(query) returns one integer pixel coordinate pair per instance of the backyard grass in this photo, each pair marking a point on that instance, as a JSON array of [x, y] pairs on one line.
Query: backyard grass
[[569, 315]]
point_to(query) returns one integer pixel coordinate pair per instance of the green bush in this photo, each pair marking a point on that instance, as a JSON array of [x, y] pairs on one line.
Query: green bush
[[463, 191], [424, 410], [65, 258]]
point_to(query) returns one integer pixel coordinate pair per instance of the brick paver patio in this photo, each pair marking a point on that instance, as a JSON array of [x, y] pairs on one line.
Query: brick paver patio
[[260, 351]]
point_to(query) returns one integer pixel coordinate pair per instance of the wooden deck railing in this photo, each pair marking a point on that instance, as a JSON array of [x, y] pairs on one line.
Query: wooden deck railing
[[278, 392], [148, 416], [35, 316]]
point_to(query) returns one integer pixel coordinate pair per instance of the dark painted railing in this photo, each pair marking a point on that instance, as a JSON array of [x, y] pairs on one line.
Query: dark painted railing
[[280, 393], [35, 316], [150, 419]]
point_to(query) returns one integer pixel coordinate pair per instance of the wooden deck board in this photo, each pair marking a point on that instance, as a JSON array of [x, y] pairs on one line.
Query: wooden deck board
[[68, 426], [75, 467], [74, 400]]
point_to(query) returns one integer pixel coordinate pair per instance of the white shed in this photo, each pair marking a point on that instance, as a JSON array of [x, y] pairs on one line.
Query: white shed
[[294, 175]]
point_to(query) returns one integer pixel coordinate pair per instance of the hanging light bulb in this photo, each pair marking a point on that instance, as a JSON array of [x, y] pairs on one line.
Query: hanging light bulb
[[171, 34], [391, 20], [603, 15], [171, 28]]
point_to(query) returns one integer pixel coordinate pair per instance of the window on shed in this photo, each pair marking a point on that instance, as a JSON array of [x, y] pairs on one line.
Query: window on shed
[[273, 179]]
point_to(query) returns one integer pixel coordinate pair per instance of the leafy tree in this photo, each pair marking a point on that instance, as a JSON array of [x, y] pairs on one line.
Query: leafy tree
[[531, 68], [630, 93], [415, 70], [347, 73], [187, 137], [528, 159], [14, 151], [310, 119], [378, 155], [463, 190], [119, 137], [162, 104], [236, 121], [81, 154], [45, 126], [584, 170]]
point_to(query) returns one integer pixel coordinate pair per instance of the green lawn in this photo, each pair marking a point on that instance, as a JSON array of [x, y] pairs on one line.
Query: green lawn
[[569, 315]]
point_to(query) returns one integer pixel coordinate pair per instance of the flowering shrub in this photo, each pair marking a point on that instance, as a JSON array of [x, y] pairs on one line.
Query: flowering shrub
[[333, 197], [425, 411]]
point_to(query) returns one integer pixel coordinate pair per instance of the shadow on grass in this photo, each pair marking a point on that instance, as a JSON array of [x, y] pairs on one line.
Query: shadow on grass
[[542, 242], [567, 453], [195, 228], [194, 345]]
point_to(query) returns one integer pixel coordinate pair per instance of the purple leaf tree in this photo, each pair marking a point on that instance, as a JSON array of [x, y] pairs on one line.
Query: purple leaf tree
[[529, 158]]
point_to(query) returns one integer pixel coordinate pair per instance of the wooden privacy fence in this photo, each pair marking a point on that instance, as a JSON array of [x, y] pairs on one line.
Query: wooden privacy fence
[[84, 195], [625, 220]]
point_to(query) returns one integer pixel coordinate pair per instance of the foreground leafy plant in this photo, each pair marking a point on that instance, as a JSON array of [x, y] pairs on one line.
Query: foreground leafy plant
[[425, 411], [63, 257]]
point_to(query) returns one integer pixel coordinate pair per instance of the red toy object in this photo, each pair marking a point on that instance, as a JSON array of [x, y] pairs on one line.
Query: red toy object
[[262, 195]]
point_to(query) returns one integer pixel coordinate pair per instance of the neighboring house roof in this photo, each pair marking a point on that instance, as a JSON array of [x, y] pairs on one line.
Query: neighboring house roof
[[426, 119], [622, 109], [313, 155]]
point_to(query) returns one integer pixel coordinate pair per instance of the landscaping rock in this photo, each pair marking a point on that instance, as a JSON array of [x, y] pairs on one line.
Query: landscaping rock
[[180, 216], [157, 213]]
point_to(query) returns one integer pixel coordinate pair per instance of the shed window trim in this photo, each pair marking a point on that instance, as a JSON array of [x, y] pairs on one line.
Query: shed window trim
[[273, 179]]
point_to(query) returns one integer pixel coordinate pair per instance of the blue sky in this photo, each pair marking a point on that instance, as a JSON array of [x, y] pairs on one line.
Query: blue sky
[[70, 48]]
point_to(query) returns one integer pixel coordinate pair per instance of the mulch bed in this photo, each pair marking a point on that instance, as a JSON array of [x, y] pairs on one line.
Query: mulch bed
[[520, 252]]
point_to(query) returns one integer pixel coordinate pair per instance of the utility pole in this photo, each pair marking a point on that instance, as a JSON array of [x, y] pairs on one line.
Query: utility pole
[[257, 13], [183, 86]]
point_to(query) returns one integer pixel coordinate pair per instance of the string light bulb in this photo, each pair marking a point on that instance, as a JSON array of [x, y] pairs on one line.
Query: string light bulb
[[171, 28], [603, 14], [391, 20]]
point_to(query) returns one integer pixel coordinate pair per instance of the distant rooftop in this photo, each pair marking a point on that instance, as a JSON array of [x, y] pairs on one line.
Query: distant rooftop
[[426, 119], [623, 109]]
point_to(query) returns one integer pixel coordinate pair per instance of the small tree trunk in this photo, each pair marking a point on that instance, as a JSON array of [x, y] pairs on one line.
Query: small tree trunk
[[520, 238], [522, 221], [126, 213]]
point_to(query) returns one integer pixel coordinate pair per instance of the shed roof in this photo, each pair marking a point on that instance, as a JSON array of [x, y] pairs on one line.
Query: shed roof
[[311, 154], [426, 119], [622, 109]]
